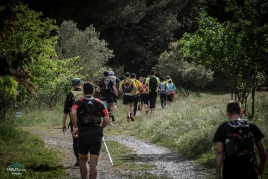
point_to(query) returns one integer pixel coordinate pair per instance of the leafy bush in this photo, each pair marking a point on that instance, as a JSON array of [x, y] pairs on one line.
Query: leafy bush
[[182, 72], [92, 52]]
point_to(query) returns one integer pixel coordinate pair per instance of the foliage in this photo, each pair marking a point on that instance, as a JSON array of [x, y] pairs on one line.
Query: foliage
[[24, 39], [86, 44], [182, 72], [237, 47], [137, 31], [29, 58]]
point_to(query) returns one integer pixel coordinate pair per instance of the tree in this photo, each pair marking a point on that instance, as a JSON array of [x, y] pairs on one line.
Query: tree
[[238, 47], [24, 39], [183, 73], [92, 52], [28, 59]]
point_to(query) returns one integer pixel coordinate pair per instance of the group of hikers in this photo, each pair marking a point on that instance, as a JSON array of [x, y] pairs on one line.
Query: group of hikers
[[90, 115]]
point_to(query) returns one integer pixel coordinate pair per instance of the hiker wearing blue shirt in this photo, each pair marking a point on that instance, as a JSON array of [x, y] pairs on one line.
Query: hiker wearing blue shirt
[[163, 92], [171, 91]]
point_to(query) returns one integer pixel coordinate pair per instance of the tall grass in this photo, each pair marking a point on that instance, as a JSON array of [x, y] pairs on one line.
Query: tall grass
[[189, 124]]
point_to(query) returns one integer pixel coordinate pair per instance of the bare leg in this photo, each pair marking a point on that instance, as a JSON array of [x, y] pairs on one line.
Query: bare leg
[[93, 166], [127, 109], [83, 163]]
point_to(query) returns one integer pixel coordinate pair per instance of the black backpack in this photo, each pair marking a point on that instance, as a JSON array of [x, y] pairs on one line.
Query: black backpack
[[106, 89], [152, 83], [239, 141], [89, 113]]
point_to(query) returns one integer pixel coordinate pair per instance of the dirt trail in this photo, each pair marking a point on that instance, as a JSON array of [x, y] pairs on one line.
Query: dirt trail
[[167, 164]]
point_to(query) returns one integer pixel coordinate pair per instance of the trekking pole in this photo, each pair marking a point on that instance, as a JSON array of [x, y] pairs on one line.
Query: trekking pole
[[118, 112], [107, 150]]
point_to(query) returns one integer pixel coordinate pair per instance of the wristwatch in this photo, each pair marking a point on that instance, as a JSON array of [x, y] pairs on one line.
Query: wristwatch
[[75, 128]]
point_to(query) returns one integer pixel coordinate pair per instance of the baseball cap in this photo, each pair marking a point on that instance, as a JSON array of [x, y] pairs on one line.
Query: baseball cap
[[76, 81], [111, 73], [105, 73], [127, 74]]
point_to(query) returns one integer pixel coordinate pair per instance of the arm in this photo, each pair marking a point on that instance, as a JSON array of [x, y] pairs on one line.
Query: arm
[[219, 159], [262, 156], [115, 90], [66, 111], [74, 121], [64, 118], [105, 122]]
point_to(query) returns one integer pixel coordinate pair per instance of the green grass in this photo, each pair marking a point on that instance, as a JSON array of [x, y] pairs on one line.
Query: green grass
[[17, 146], [187, 127]]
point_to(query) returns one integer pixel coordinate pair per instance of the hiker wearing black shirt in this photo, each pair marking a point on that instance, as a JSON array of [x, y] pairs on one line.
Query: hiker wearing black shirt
[[238, 164], [87, 114], [76, 92], [108, 89]]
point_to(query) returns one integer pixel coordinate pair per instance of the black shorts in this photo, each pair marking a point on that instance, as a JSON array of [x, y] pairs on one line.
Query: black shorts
[[107, 102], [170, 97], [114, 99], [128, 99], [89, 143], [144, 99]]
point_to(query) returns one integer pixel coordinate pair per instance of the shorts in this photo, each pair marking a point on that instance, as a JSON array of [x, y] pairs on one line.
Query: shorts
[[114, 99], [170, 97], [128, 99], [107, 102], [144, 99], [89, 143]]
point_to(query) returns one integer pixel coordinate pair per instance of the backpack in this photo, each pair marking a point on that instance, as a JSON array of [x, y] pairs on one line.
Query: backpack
[[89, 113], [239, 141], [163, 87], [106, 88], [127, 86], [77, 94], [170, 87], [143, 89], [152, 83]]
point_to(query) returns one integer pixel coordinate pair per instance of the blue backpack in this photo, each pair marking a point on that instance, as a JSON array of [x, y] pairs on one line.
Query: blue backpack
[[163, 88], [170, 87]]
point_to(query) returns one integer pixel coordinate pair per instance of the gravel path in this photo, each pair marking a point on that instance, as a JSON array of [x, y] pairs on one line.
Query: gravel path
[[167, 164]]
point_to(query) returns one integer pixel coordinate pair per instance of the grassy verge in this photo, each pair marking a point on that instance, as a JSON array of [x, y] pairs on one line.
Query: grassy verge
[[17, 146], [125, 162], [188, 126]]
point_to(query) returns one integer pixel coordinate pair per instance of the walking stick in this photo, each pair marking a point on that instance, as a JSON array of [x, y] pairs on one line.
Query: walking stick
[[118, 112], [107, 150]]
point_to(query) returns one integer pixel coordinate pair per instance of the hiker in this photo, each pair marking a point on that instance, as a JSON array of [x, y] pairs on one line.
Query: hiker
[[163, 92], [127, 87], [139, 96], [144, 96], [116, 81], [167, 79], [235, 140], [137, 91], [72, 96], [107, 88], [170, 91], [152, 83], [87, 114]]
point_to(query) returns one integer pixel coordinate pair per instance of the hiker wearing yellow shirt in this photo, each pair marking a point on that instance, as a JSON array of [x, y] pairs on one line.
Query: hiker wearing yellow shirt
[[152, 83], [128, 88], [137, 92]]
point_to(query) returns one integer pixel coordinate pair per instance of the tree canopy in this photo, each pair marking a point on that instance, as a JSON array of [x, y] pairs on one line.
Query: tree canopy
[[237, 47]]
